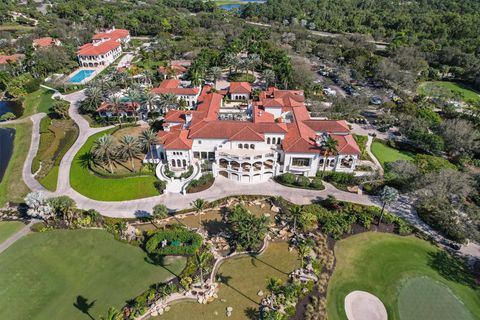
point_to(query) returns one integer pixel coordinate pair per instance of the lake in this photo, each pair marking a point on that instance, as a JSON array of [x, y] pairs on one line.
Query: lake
[[7, 135], [232, 6], [11, 106]]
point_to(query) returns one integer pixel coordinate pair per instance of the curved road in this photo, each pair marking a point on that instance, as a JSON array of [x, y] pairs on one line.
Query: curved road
[[220, 189]]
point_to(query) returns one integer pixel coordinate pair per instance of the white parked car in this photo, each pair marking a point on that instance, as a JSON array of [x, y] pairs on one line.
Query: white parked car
[[329, 92]]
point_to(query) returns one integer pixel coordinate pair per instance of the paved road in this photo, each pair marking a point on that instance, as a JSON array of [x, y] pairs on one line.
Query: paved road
[[20, 233]]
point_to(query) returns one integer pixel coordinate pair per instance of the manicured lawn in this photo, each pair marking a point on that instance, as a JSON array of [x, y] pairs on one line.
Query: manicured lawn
[[423, 298], [450, 89], [380, 263], [45, 274], [107, 189], [56, 137], [385, 153], [12, 187], [8, 228], [242, 279], [38, 101]]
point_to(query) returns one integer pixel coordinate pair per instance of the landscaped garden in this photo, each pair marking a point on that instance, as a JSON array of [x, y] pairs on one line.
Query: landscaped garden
[[9, 228], [108, 187], [240, 281], [74, 274], [389, 266], [385, 154], [453, 90]]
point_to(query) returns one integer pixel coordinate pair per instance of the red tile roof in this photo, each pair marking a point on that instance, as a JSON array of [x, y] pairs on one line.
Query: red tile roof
[[175, 139], [240, 87], [12, 58], [90, 49], [171, 86], [177, 69], [247, 134], [114, 34], [346, 144], [226, 129], [123, 107], [44, 42], [328, 126]]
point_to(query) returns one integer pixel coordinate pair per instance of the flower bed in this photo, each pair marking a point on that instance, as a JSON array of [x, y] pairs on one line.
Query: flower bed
[[178, 242], [203, 183], [302, 182]]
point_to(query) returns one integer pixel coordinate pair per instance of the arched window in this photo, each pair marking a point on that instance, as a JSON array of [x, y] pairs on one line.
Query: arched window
[[252, 146], [179, 163], [245, 146], [173, 163], [184, 162], [278, 140], [240, 146], [268, 140]]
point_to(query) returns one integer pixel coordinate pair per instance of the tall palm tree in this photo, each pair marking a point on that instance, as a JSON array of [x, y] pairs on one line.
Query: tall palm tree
[[104, 149], [268, 76], [149, 98], [168, 101], [295, 214], [129, 148], [252, 61], [387, 196], [215, 74], [116, 103], [329, 145], [200, 262], [94, 96], [148, 138], [113, 314], [273, 285], [231, 60], [303, 251], [199, 206]]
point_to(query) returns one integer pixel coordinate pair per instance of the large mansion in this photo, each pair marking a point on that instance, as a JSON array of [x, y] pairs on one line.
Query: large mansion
[[250, 141], [104, 49]]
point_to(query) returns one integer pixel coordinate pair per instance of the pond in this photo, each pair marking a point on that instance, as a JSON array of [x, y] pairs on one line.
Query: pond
[[232, 6], [11, 106], [7, 135]]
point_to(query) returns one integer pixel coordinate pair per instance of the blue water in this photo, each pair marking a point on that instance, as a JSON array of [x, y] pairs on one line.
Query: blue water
[[81, 75], [11, 106], [233, 6], [7, 135]]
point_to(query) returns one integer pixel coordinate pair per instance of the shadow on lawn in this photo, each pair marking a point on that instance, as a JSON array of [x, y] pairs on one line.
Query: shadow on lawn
[[160, 261], [83, 305], [452, 268], [226, 281]]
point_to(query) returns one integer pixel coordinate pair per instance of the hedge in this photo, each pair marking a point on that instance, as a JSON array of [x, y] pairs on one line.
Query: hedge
[[190, 242]]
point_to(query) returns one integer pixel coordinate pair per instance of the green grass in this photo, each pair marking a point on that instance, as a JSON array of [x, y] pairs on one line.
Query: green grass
[[44, 273], [38, 101], [243, 278], [8, 228], [12, 187], [449, 89], [424, 299], [105, 189], [380, 263], [386, 154]]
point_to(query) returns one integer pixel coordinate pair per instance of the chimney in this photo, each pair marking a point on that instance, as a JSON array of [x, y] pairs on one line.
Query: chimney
[[166, 127]]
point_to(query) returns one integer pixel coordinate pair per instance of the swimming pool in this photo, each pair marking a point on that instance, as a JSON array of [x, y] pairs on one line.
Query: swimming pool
[[81, 75]]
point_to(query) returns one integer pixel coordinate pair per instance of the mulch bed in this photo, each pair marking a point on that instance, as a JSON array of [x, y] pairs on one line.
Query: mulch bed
[[200, 188]]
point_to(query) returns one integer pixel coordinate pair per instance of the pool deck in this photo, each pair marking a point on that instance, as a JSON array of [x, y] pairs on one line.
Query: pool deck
[[97, 70]]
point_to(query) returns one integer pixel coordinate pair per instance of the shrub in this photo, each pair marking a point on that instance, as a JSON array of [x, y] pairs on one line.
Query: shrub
[[302, 181], [168, 172], [316, 183], [7, 116], [38, 227], [190, 242], [32, 85], [340, 178], [187, 173], [160, 185], [288, 178], [160, 211]]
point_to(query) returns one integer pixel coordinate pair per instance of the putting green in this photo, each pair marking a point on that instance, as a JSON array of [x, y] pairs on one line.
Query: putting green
[[423, 298]]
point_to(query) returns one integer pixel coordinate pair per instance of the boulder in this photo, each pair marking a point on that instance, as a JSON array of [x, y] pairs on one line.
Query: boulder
[[260, 293], [275, 209]]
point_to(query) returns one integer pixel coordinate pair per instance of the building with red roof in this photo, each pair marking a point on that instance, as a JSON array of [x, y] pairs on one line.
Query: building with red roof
[[240, 90], [13, 58], [105, 48], [45, 42], [273, 136], [187, 94]]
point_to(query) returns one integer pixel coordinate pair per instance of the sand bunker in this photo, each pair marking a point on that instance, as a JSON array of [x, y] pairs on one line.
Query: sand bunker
[[361, 305]]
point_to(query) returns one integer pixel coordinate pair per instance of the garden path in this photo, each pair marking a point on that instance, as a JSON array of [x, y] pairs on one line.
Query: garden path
[[19, 234]]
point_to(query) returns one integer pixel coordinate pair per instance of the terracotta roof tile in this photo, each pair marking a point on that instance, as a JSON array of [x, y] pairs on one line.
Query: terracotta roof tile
[[240, 87], [91, 49]]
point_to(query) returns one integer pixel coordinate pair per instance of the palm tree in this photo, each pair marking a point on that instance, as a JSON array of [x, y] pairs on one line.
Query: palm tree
[[200, 262], [94, 97], [116, 103], [388, 195], [105, 150], [129, 148], [268, 76], [231, 60], [168, 101], [295, 214], [215, 74], [303, 251], [148, 138], [252, 61], [199, 206], [113, 314], [329, 145], [149, 98], [273, 285]]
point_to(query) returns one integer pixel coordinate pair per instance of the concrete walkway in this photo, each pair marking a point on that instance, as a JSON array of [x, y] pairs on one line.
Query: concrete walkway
[[19, 234]]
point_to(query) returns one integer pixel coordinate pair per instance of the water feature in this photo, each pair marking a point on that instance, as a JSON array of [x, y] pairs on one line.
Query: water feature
[[232, 6], [81, 76], [11, 106], [7, 135]]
